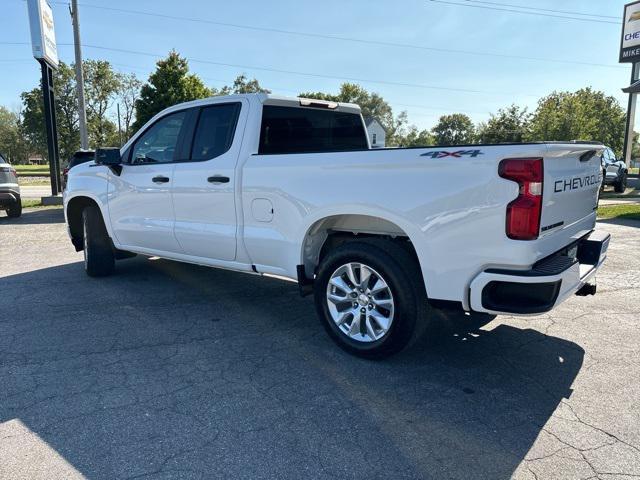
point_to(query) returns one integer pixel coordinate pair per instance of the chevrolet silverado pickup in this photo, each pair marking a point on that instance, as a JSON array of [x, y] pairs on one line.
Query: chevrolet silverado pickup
[[289, 187]]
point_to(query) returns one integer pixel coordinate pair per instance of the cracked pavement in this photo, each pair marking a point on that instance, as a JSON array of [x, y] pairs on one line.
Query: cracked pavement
[[173, 371]]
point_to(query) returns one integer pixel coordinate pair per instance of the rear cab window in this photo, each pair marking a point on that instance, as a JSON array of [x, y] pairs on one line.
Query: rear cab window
[[214, 131], [309, 130]]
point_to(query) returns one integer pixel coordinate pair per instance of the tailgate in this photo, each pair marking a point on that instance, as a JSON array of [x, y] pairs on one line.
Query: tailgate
[[572, 177]]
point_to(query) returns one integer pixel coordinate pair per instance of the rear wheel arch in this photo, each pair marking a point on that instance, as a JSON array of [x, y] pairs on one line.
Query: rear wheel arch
[[328, 233]]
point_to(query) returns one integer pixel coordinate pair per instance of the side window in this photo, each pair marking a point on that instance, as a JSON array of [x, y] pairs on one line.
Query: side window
[[158, 143], [303, 130], [214, 131]]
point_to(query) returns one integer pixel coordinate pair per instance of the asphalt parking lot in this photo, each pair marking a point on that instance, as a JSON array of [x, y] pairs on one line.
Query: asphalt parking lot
[[167, 371]]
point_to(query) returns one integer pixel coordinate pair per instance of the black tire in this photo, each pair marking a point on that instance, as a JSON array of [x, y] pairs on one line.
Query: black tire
[[401, 272], [99, 259], [15, 210], [621, 185]]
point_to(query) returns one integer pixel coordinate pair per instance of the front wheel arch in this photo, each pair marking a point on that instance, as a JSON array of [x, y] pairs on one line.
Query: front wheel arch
[[75, 207]]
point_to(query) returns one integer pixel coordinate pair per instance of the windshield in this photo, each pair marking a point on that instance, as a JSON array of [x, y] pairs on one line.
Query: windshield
[[2, 160]]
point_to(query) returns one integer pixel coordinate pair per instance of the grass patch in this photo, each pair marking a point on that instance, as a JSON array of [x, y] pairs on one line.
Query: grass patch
[[35, 203], [33, 182], [32, 170], [628, 211], [31, 203], [634, 171]]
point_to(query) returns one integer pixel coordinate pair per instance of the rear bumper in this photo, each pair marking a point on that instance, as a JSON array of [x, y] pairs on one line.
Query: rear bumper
[[547, 284], [9, 198], [611, 179]]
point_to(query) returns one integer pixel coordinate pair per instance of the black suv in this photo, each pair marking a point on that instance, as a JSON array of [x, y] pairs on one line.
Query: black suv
[[81, 156]]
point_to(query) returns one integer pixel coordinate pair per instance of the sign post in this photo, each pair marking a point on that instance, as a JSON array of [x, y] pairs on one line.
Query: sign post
[[43, 42], [630, 53]]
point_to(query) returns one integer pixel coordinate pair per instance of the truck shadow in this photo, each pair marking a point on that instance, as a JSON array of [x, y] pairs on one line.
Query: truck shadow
[[170, 369], [34, 217]]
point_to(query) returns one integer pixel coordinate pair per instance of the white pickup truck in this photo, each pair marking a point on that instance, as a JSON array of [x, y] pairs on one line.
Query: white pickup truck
[[289, 187]]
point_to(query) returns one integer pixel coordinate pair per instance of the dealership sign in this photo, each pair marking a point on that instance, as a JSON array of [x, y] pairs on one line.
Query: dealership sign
[[43, 37]]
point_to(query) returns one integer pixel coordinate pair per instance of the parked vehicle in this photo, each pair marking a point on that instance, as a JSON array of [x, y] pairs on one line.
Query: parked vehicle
[[614, 171], [290, 187], [81, 156], [9, 189]]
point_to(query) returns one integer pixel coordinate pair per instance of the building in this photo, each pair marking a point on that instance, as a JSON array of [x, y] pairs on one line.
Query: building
[[377, 135], [36, 159]]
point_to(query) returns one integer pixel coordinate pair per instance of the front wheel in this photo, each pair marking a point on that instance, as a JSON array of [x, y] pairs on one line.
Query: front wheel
[[99, 259], [370, 297]]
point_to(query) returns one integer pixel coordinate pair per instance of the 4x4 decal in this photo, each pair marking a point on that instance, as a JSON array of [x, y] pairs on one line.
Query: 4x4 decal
[[457, 154]]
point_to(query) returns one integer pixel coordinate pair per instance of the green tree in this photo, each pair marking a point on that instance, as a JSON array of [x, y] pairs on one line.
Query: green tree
[[417, 138], [127, 94], [372, 104], [101, 84], [171, 83], [66, 115], [242, 84], [33, 127], [583, 115], [509, 125], [12, 144], [101, 87], [454, 129]]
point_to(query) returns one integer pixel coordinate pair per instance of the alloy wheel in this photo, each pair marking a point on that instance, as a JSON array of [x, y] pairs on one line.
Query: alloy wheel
[[360, 302]]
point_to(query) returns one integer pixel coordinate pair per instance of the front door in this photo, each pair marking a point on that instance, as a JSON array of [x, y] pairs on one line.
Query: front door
[[204, 186], [140, 203]]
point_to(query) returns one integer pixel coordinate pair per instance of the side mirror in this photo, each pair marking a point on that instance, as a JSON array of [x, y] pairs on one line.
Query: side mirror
[[109, 157]]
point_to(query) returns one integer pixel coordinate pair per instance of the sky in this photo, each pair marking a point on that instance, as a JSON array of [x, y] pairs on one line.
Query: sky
[[407, 66]]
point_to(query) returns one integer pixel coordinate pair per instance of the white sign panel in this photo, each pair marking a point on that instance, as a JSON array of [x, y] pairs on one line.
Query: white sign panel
[[43, 36]]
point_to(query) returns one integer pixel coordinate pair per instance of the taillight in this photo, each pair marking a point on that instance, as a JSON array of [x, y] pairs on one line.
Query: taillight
[[65, 171], [14, 171], [523, 214]]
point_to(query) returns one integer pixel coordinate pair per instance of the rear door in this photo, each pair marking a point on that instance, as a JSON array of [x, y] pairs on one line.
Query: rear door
[[571, 185], [204, 184], [140, 205]]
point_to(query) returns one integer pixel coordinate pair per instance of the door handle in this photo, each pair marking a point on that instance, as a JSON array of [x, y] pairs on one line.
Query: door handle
[[218, 179], [160, 179]]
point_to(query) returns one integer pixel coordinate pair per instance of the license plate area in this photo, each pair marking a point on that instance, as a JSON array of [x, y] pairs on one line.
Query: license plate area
[[593, 248]]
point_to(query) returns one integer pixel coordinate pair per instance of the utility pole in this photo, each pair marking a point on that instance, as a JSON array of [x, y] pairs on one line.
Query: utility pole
[[82, 111]]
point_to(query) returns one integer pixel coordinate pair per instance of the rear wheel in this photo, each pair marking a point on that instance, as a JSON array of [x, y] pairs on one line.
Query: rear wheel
[[621, 185], [99, 259], [370, 297], [15, 210]]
